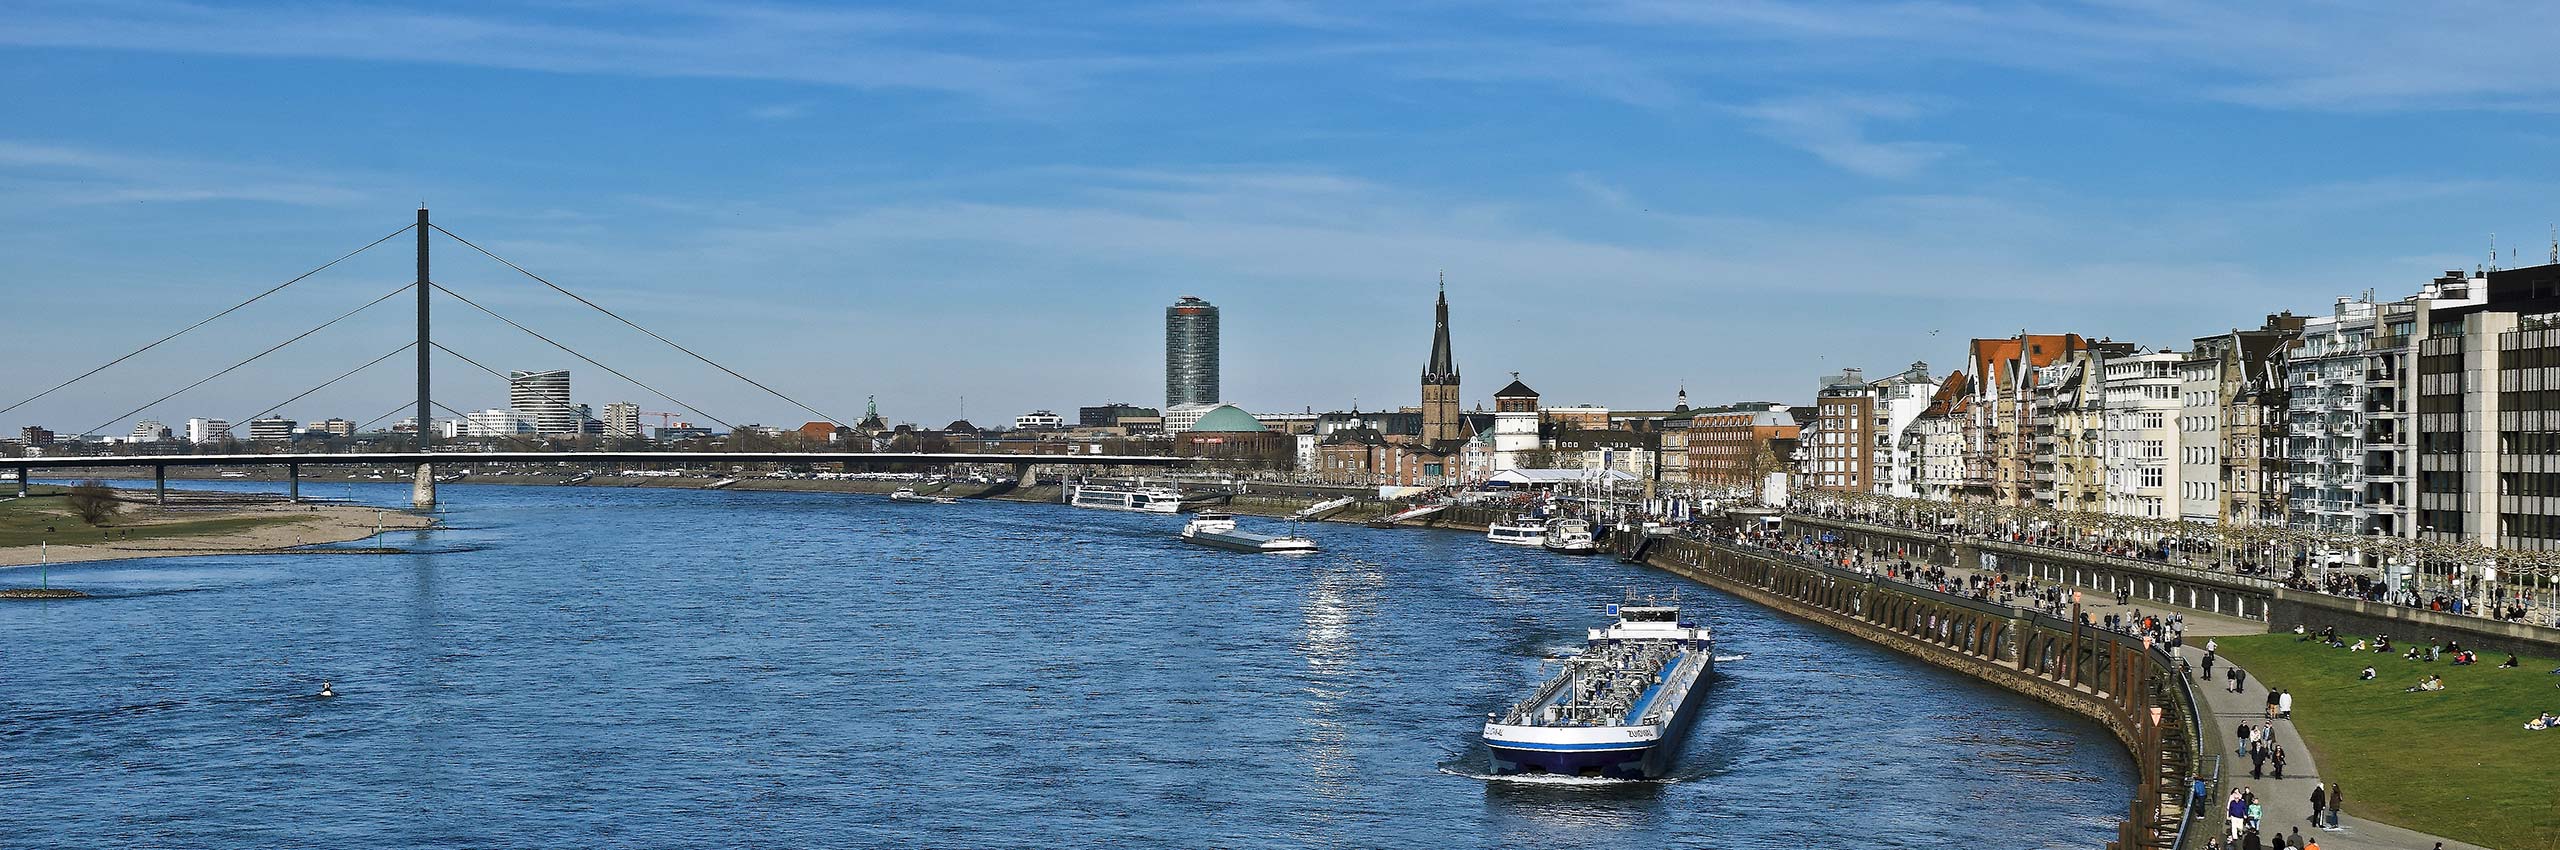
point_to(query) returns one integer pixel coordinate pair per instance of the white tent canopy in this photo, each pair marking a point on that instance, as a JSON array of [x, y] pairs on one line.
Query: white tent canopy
[[1553, 477]]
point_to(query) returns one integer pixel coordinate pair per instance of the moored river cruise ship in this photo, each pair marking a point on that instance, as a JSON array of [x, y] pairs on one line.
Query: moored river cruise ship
[[1126, 497]]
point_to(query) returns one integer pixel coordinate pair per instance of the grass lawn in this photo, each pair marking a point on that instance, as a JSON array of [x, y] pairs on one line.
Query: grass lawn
[[2457, 763], [23, 523]]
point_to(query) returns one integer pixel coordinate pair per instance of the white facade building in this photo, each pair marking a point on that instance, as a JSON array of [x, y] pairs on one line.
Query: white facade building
[[202, 430], [1899, 402], [497, 422], [2325, 420], [1041, 420], [273, 429], [2143, 410], [2200, 439]]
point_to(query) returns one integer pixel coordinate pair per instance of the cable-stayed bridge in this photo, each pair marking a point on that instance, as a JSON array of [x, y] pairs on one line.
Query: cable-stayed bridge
[[425, 455]]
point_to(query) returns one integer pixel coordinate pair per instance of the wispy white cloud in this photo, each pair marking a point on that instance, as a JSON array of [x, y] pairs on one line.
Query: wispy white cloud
[[59, 175], [1836, 129], [2360, 55]]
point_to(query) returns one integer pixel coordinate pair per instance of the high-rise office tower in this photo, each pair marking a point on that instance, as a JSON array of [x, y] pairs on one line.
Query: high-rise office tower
[[542, 398], [1190, 352]]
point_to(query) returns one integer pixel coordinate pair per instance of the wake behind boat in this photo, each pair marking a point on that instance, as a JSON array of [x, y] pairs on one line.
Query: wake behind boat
[[1618, 709], [1219, 530]]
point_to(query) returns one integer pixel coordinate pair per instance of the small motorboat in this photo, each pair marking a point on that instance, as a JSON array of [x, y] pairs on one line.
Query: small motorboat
[[1570, 536], [325, 691], [909, 494]]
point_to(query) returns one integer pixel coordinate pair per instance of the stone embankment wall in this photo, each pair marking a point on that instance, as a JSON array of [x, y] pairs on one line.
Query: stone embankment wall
[[2113, 679]]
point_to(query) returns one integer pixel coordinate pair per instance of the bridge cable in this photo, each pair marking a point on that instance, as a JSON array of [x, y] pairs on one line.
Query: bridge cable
[[502, 376], [252, 359], [635, 326], [406, 405], [208, 319], [325, 384], [572, 352]]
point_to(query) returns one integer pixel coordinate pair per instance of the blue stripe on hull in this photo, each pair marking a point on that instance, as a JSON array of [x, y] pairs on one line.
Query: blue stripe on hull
[[1615, 764]]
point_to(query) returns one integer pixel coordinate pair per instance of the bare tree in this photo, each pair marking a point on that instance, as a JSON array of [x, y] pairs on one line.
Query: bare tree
[[94, 502]]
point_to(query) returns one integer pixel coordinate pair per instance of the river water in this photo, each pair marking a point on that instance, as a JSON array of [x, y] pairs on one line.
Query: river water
[[566, 666]]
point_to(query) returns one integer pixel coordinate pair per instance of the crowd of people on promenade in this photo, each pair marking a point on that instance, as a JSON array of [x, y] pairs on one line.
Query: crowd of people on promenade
[[2464, 595], [2052, 599], [2247, 828]]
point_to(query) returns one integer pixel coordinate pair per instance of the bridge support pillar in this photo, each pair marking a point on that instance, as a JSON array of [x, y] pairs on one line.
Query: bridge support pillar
[[422, 487], [160, 484], [23, 475], [293, 482], [1023, 475]]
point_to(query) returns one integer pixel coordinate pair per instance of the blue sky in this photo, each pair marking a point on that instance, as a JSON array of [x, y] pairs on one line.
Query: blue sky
[[933, 202]]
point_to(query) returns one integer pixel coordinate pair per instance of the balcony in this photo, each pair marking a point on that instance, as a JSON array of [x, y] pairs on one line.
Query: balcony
[[2386, 342]]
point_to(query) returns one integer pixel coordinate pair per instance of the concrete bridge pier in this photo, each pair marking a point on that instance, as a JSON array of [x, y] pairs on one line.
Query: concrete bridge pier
[[1023, 475], [422, 487], [23, 475], [293, 482], [160, 484]]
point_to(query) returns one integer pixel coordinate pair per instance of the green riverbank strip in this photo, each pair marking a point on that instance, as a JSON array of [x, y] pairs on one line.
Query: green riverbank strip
[[2457, 763]]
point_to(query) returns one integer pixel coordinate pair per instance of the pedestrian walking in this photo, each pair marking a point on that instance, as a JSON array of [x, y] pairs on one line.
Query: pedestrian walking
[[2284, 705], [2337, 800], [2241, 748], [2257, 762], [2239, 680], [2319, 800], [2278, 758]]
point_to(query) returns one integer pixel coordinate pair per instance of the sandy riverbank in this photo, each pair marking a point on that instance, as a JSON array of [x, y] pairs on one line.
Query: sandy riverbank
[[272, 526]]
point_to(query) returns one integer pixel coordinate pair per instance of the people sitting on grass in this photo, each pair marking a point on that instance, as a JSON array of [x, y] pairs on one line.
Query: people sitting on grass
[[2365, 676], [2511, 662], [2545, 721], [2430, 683], [2464, 658]]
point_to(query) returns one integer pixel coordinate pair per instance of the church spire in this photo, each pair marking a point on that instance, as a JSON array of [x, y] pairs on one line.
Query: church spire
[[1443, 368]]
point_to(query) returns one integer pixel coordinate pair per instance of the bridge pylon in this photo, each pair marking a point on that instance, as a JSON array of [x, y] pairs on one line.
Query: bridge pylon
[[422, 487]]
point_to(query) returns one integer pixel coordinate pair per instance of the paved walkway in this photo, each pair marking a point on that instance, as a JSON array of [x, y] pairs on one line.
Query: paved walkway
[[2287, 801]]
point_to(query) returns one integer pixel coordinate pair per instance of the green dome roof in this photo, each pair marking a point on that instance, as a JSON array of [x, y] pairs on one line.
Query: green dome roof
[[1229, 419]]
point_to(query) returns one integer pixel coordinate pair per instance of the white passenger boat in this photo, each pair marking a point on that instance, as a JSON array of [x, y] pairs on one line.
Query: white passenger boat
[[909, 494], [1619, 708], [1570, 536], [1116, 497], [1219, 530], [1517, 531]]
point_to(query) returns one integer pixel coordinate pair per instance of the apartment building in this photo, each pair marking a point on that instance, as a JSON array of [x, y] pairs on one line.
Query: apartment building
[[2142, 434]]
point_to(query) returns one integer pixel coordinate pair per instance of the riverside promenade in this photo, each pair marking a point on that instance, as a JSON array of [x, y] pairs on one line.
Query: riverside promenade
[[2287, 801]]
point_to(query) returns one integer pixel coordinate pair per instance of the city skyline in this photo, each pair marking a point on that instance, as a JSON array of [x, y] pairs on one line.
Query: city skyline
[[1577, 167]]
